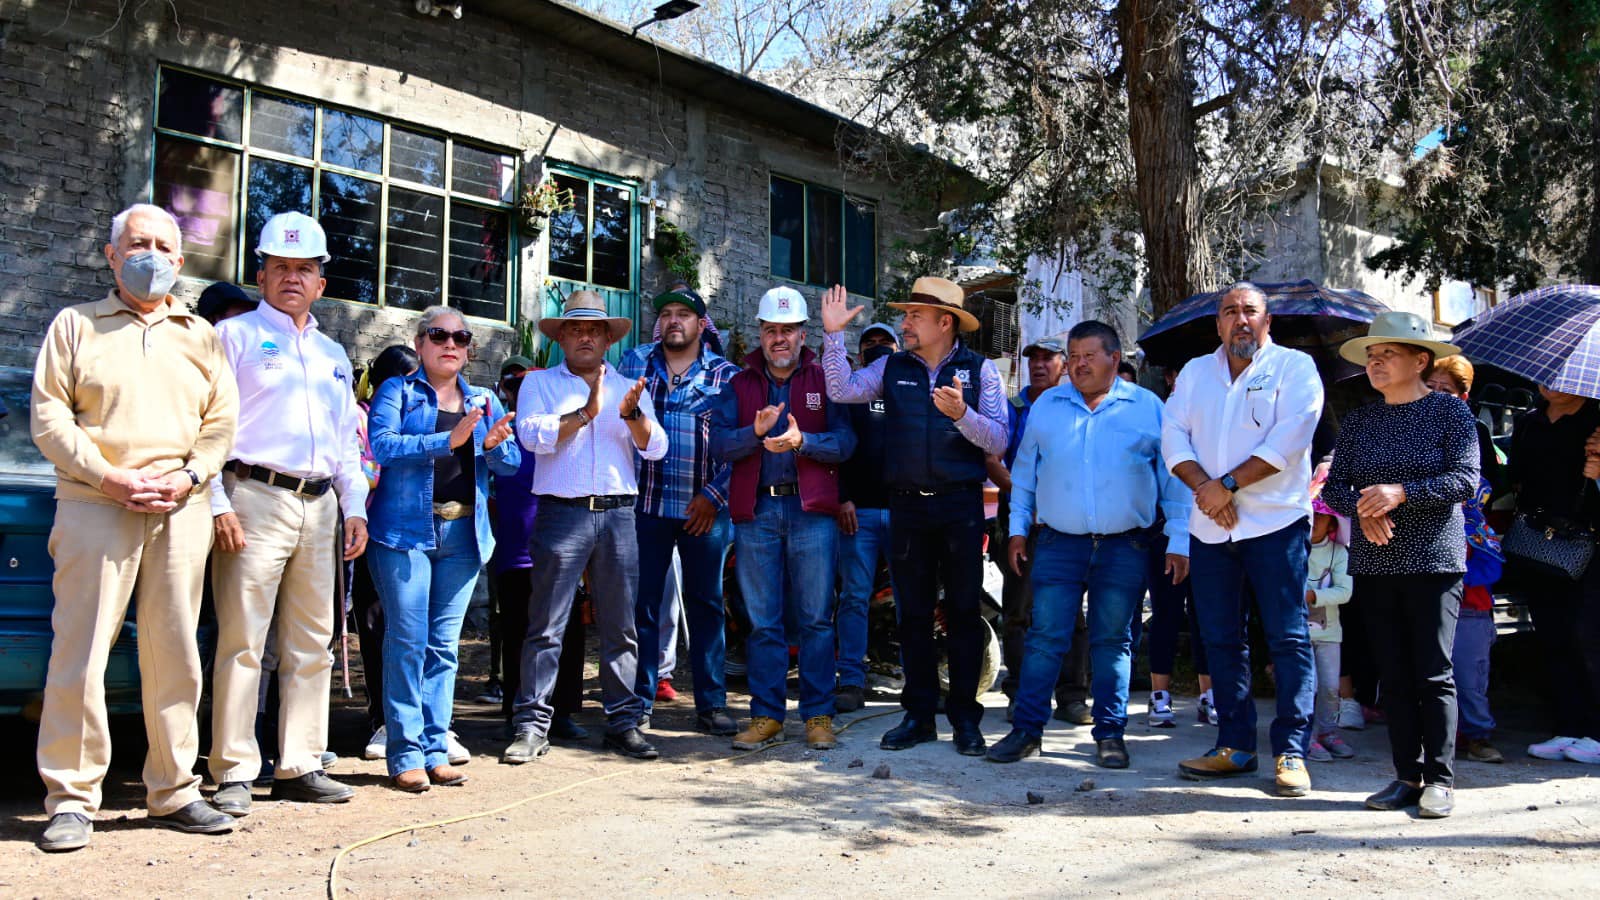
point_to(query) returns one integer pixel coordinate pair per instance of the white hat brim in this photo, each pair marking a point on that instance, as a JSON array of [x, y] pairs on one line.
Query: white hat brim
[[1355, 349]]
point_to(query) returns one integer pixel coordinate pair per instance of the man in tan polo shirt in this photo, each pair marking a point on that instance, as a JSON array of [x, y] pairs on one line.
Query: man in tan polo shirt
[[135, 404]]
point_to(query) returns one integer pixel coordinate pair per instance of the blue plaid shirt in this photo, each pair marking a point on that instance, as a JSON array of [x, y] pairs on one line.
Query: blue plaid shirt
[[667, 485]]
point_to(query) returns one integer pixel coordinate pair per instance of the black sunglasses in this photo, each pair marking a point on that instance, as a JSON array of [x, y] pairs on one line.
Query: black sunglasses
[[440, 335]]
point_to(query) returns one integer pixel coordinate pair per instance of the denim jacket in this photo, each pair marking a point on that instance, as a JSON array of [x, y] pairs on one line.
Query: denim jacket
[[403, 429]]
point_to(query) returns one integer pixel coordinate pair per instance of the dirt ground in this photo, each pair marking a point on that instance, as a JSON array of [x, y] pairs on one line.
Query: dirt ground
[[793, 822]]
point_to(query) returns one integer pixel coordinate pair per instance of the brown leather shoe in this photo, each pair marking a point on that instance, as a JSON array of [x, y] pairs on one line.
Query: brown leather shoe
[[446, 776], [412, 781]]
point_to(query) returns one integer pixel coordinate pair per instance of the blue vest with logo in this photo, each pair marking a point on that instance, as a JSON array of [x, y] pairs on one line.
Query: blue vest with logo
[[926, 451]]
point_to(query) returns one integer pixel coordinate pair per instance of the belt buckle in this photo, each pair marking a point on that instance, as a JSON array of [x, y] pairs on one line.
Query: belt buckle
[[592, 507], [927, 493]]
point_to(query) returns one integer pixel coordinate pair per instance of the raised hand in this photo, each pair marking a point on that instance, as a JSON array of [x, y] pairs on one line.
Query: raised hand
[[592, 408], [950, 401], [630, 400], [789, 440], [462, 433], [499, 431], [836, 311], [766, 417]]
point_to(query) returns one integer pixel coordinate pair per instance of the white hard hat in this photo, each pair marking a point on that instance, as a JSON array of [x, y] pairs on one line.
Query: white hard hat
[[294, 236], [782, 305]]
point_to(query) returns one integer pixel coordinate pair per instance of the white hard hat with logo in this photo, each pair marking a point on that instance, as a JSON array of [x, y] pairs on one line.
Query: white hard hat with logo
[[294, 236], [782, 305]]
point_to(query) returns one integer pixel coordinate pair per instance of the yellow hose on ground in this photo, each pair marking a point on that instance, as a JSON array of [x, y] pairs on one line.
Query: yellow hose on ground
[[333, 868]]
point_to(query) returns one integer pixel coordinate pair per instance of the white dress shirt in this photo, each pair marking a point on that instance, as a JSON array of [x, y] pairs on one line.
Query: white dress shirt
[[1270, 411], [601, 459], [297, 405]]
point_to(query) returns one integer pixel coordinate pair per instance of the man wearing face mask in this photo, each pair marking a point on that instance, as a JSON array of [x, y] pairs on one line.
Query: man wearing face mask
[[135, 404], [296, 464]]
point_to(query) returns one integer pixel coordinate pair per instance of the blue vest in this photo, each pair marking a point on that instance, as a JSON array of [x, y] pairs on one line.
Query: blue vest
[[926, 451]]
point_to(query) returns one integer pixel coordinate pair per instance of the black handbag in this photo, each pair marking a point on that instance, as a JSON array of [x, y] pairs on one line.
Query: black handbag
[[1551, 545]]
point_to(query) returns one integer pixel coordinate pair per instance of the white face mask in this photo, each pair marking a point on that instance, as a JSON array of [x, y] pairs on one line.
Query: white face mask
[[148, 276]]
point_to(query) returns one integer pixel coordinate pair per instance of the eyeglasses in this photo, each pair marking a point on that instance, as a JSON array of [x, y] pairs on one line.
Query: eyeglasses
[[440, 335]]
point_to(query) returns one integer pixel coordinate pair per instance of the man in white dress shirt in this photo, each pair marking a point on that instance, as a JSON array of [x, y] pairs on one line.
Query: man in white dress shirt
[[590, 426], [1238, 432], [296, 463]]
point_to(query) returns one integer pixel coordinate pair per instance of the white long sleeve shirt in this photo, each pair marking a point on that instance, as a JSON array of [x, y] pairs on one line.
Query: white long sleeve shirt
[[601, 459], [297, 407], [1270, 411]]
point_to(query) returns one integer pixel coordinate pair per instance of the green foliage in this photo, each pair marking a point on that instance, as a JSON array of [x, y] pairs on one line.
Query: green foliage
[[677, 250]]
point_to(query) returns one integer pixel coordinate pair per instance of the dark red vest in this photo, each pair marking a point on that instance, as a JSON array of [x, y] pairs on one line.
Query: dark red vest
[[808, 399]]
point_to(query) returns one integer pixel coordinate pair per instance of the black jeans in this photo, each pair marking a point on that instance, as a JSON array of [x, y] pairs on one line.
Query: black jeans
[[1171, 605], [937, 542], [369, 628], [1412, 622], [1566, 622], [1016, 613], [514, 586], [1356, 650]]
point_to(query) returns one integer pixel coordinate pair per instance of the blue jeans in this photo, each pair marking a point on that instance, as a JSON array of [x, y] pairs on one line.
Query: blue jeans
[[1112, 571], [703, 557], [1274, 566], [784, 546], [1475, 635], [424, 595], [858, 565]]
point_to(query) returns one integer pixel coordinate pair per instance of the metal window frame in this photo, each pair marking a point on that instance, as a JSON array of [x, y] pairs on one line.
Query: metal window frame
[[805, 232], [635, 241], [383, 177]]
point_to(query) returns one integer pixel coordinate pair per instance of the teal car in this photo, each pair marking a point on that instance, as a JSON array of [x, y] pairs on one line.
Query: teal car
[[27, 509]]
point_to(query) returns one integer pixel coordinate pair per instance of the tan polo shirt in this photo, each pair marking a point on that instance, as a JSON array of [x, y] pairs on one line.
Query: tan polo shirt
[[114, 389]]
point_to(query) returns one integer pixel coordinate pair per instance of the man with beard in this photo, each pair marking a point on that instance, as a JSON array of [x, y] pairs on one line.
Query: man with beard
[[1238, 433], [785, 442], [683, 504]]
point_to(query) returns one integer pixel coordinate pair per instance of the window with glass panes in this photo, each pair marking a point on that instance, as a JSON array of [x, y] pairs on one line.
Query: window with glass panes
[[592, 242], [413, 217], [823, 237]]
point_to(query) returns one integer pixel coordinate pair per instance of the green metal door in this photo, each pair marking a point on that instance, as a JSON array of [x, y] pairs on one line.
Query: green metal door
[[595, 246]]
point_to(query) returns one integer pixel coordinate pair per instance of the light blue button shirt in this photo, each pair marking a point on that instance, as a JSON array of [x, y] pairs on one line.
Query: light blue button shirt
[[1097, 471]]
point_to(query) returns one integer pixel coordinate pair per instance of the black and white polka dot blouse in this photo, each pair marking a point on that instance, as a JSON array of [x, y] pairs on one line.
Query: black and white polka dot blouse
[[1429, 446]]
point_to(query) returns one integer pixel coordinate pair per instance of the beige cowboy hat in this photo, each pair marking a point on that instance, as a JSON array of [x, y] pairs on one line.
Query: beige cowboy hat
[[942, 294], [585, 306], [1396, 328]]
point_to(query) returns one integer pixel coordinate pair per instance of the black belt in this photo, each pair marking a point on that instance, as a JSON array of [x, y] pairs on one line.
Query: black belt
[[310, 487], [781, 490], [1131, 532], [596, 503], [939, 490]]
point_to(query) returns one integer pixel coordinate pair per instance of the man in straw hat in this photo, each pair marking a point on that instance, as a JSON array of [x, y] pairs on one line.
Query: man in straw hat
[[589, 426], [947, 409], [1237, 432]]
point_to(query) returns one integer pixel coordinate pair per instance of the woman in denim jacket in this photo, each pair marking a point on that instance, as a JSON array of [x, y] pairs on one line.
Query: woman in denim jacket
[[437, 438]]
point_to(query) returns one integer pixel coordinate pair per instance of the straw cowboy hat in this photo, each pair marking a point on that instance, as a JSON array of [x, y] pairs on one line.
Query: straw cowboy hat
[[941, 294], [1396, 328], [585, 306]]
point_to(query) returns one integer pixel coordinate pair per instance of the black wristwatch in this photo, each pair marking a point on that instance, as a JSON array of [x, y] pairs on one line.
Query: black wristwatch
[[193, 478], [1228, 482], [637, 412]]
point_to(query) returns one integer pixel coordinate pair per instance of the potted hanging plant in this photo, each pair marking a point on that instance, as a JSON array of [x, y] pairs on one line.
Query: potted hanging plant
[[538, 203]]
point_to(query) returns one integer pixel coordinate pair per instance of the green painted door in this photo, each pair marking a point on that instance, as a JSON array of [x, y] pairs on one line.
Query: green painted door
[[595, 246]]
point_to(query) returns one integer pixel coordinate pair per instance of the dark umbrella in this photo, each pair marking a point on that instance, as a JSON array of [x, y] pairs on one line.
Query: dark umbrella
[[1305, 315], [1548, 336]]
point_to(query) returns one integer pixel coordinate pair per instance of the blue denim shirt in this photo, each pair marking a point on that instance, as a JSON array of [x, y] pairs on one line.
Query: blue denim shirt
[[403, 430]]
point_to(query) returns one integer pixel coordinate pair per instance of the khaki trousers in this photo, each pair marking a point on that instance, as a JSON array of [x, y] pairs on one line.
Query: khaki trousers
[[102, 555], [283, 577]]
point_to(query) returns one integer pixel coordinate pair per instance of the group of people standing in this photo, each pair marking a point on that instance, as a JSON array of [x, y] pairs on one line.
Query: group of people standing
[[171, 438]]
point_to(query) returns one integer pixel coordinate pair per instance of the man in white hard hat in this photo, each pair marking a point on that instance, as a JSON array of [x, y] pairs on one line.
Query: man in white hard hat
[[295, 465], [134, 403], [785, 440]]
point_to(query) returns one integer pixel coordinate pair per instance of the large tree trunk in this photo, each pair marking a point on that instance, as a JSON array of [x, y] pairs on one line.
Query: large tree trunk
[[1590, 265], [1161, 133]]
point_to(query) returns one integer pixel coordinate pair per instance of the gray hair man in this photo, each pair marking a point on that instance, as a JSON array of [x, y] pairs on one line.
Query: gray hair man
[[134, 404]]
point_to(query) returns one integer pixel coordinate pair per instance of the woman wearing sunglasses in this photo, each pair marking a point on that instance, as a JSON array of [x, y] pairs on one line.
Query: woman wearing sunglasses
[[437, 438]]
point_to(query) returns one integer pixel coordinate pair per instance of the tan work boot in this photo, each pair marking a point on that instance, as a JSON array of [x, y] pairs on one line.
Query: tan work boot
[[762, 732], [1293, 779], [1219, 762], [819, 733]]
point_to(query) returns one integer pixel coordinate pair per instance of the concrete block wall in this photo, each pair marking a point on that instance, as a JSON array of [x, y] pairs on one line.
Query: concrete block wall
[[82, 75]]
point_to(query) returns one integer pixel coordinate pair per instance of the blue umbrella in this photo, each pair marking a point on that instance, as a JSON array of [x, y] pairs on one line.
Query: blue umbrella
[[1547, 335], [1304, 314]]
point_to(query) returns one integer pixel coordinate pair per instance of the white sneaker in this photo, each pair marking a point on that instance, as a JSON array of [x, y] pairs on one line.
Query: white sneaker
[[1583, 750], [454, 751], [1206, 711], [378, 745], [1350, 715], [1161, 710], [1555, 748]]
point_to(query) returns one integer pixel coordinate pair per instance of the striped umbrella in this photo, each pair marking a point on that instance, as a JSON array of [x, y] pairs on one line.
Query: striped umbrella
[[1548, 335], [1304, 315]]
